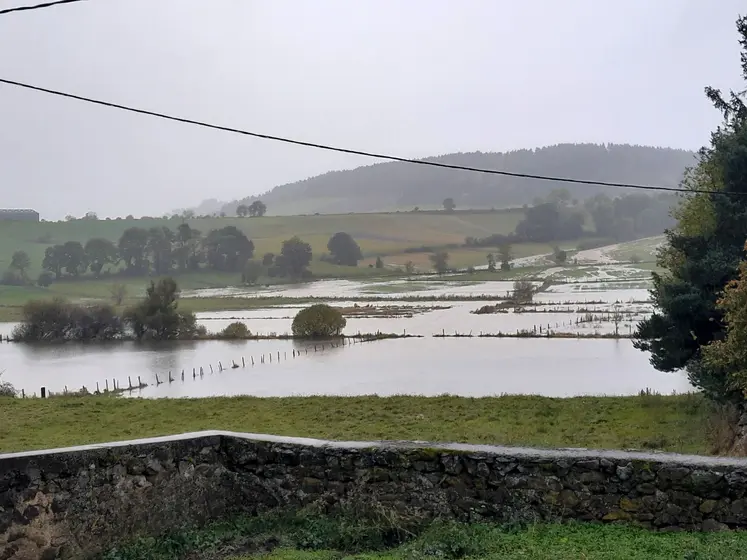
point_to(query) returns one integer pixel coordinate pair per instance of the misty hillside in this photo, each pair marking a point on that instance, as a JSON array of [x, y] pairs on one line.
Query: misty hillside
[[392, 186]]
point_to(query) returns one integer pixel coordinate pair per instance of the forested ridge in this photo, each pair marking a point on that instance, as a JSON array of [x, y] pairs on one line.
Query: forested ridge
[[390, 186]]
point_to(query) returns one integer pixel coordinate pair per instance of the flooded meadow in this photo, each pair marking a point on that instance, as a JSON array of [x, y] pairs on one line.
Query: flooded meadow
[[573, 339]]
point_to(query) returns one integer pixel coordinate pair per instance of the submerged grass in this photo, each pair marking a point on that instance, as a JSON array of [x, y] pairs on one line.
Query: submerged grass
[[308, 537], [649, 421]]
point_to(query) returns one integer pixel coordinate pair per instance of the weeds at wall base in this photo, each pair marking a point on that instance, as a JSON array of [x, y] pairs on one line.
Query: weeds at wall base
[[307, 535]]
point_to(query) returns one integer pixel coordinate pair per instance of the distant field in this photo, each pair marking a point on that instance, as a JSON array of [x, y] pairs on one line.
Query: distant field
[[377, 234], [385, 234]]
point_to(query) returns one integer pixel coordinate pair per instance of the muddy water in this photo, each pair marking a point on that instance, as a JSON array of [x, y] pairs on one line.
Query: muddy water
[[428, 366], [456, 319], [347, 288]]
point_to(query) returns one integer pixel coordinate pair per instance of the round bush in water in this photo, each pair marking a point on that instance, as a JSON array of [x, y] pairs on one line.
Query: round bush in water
[[236, 330], [319, 320]]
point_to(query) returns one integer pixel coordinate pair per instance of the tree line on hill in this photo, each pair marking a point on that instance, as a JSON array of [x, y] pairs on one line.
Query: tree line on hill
[[396, 185], [557, 218], [256, 209]]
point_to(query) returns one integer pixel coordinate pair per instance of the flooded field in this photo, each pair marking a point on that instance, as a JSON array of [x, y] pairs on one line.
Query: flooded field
[[458, 317], [427, 366], [607, 302]]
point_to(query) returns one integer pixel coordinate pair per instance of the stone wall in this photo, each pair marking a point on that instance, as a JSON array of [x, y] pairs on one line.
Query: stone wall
[[74, 503]]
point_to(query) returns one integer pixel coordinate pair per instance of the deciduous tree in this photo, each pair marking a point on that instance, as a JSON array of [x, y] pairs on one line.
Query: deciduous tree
[[440, 261], [295, 257], [344, 249], [257, 209], [99, 253], [228, 249], [21, 262], [132, 249]]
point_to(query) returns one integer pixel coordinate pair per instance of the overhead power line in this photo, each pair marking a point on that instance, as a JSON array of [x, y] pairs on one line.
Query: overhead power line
[[37, 6], [355, 152]]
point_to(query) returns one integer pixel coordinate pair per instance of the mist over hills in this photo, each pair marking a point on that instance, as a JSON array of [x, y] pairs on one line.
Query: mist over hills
[[390, 186]]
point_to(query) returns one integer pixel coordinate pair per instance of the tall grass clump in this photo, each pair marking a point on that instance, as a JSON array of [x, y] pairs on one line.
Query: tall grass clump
[[6, 389]]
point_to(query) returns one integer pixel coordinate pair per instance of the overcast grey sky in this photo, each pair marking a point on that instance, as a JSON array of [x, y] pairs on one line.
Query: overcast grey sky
[[410, 77]]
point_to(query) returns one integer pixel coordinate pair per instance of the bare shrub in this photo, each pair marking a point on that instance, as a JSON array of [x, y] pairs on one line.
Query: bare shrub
[[118, 292], [523, 292], [6, 389]]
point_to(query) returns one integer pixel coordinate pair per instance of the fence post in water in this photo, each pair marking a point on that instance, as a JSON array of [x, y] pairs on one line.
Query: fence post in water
[[243, 363], [211, 368], [278, 356], [129, 383], [44, 392], [107, 385], [252, 360], [158, 381], [171, 379], [270, 353], [285, 355], [220, 366], [114, 383], [182, 375], [139, 383], [202, 371]]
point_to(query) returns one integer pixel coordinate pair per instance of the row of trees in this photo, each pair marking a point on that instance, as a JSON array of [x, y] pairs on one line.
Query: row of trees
[[557, 218], [293, 262], [256, 209], [157, 250], [160, 251], [156, 317]]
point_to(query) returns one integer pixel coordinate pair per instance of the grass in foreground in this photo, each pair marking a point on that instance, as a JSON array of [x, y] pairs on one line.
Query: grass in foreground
[[672, 423], [307, 537]]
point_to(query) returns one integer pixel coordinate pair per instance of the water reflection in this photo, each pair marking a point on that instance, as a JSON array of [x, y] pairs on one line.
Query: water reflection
[[428, 366]]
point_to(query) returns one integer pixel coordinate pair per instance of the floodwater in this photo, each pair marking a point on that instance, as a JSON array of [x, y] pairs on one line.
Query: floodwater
[[450, 318], [563, 311], [619, 290], [349, 288], [428, 366]]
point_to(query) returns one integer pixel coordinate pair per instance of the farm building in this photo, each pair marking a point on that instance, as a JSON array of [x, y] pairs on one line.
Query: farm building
[[18, 215]]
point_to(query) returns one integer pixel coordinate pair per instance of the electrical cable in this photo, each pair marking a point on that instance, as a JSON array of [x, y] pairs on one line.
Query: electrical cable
[[358, 152], [37, 6]]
